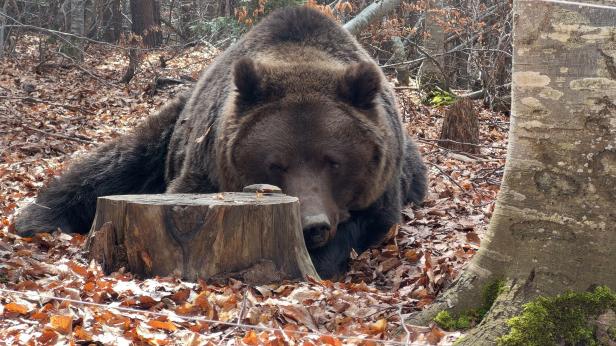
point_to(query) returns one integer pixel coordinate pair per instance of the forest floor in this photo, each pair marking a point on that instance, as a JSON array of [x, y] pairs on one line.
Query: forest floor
[[53, 110]]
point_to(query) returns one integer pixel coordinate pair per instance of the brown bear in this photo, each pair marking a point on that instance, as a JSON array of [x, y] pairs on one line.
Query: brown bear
[[296, 103]]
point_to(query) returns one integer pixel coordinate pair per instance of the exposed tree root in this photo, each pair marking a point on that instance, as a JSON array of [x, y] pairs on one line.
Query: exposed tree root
[[508, 304]]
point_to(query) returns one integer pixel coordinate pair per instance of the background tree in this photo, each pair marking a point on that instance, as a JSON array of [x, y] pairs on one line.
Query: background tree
[[553, 228], [146, 21]]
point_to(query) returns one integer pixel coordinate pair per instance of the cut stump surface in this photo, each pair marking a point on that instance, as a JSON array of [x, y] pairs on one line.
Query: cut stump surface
[[256, 237]]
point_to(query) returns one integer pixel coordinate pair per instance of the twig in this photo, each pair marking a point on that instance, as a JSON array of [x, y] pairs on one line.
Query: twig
[[406, 330], [51, 103], [448, 177], [466, 143], [86, 71], [58, 135]]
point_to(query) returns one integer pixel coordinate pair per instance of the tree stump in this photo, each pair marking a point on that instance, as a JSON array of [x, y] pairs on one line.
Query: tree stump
[[460, 129], [255, 237]]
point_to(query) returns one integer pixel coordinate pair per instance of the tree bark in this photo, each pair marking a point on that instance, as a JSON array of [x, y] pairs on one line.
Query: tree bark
[[554, 227], [371, 13], [460, 130], [256, 236], [432, 74], [112, 21], [146, 21], [74, 22]]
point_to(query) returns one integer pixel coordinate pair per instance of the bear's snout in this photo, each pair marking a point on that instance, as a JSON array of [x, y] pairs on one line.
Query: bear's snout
[[317, 229]]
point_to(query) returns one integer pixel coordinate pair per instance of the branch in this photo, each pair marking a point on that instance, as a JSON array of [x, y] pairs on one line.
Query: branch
[[372, 12], [58, 135]]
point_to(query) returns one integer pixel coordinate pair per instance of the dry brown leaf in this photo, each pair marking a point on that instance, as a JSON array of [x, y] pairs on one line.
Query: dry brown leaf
[[250, 338], [412, 255], [48, 336], [79, 269], [472, 237], [16, 308], [61, 323], [169, 326], [81, 334], [435, 335], [330, 340], [379, 326], [300, 315]]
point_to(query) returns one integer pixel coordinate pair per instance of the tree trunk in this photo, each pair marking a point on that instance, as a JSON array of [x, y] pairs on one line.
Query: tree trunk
[[371, 13], [403, 73], [432, 74], [460, 130], [146, 21], [74, 22], [554, 225], [256, 237], [112, 21], [187, 16]]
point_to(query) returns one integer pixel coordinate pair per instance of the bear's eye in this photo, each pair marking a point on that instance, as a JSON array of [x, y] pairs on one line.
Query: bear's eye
[[332, 163], [277, 168]]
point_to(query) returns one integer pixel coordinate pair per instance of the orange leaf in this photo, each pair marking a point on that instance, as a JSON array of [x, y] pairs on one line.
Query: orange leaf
[[379, 326], [81, 334], [435, 335], [162, 325], [61, 323], [202, 301], [17, 308], [330, 340], [180, 296], [39, 316], [250, 338], [78, 269], [48, 336], [412, 255]]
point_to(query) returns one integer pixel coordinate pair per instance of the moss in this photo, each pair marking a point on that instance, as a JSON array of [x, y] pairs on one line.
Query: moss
[[471, 317], [566, 319], [439, 98], [611, 332]]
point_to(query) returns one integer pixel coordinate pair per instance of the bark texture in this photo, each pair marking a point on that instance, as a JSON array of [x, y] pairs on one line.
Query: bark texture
[[371, 13], [256, 237], [460, 130], [554, 225], [432, 70], [146, 21]]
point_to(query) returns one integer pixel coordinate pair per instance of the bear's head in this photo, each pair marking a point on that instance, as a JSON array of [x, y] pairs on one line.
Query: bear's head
[[318, 132]]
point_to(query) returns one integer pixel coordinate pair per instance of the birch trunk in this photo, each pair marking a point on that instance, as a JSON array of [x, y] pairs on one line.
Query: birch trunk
[[371, 13]]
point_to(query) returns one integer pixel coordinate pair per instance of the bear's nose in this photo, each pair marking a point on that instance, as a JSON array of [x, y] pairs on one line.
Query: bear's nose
[[316, 230]]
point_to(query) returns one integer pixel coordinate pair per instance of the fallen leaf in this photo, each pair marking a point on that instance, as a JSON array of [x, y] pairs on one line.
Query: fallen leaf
[[250, 338], [16, 308], [472, 237], [61, 323], [379, 326], [162, 325], [435, 335]]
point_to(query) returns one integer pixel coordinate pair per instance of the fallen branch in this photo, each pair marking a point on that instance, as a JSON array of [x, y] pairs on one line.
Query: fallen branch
[[50, 103], [58, 135], [447, 176]]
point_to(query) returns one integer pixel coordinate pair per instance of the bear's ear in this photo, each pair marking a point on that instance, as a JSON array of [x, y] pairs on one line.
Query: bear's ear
[[247, 81], [360, 84]]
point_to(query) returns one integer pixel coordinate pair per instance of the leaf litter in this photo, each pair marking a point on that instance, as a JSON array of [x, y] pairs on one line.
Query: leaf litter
[[50, 115]]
